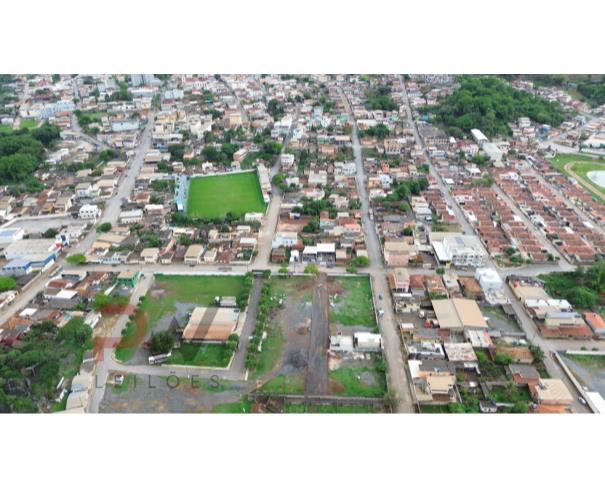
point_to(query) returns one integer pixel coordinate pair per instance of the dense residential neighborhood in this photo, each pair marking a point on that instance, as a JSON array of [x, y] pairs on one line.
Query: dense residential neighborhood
[[302, 243]]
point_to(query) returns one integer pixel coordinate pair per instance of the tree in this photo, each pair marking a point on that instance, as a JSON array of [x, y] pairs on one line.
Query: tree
[[50, 233], [7, 283], [520, 408], [104, 227], [503, 359], [361, 261], [161, 342], [76, 259], [311, 268]]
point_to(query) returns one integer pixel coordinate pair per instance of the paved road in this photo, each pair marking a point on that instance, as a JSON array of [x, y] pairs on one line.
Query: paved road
[[392, 347], [317, 364], [112, 208], [106, 361], [527, 324], [238, 365]]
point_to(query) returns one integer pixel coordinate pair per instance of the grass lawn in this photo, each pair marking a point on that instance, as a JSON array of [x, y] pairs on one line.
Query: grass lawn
[[215, 196], [6, 129], [329, 408], [201, 355], [271, 350], [354, 306], [125, 352], [238, 407], [124, 386], [595, 360], [28, 123], [285, 384], [351, 379], [517, 394]]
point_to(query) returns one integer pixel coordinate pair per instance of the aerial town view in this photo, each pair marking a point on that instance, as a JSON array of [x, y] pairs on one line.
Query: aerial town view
[[351, 243]]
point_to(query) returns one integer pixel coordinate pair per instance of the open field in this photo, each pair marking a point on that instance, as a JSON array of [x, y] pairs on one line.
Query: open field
[[283, 359], [351, 301], [215, 196], [174, 297], [361, 381], [577, 167]]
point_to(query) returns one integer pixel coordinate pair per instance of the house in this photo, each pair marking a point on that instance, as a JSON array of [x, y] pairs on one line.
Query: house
[[596, 323], [458, 314], [131, 216], [284, 239], [524, 374], [89, 212], [128, 278], [367, 342], [211, 324], [193, 254], [65, 299], [341, 344], [399, 280], [551, 392], [150, 255]]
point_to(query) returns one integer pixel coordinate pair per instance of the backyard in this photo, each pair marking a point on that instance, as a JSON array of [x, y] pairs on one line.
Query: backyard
[[215, 196]]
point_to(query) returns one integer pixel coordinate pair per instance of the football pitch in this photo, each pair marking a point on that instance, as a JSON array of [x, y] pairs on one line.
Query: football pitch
[[215, 196]]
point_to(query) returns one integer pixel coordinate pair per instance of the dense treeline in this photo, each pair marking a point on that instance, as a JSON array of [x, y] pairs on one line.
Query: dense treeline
[[489, 104], [380, 99], [583, 288], [29, 374], [23, 151], [593, 92]]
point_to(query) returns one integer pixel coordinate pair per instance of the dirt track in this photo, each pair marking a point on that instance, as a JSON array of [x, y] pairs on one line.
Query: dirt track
[[584, 181]]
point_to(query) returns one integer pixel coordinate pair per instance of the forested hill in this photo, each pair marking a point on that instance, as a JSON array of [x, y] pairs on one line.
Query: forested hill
[[489, 104]]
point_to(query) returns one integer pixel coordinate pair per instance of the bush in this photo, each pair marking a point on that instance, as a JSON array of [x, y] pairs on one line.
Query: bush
[[161, 342], [76, 259], [311, 269], [7, 283], [104, 227]]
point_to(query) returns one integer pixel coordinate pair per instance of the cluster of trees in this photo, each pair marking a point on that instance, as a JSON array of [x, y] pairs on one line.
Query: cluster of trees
[[380, 99], [30, 373], [315, 207], [22, 152], [242, 297], [402, 191], [7, 283], [161, 342], [76, 259], [266, 304], [489, 104], [275, 108], [593, 92], [380, 131], [583, 288]]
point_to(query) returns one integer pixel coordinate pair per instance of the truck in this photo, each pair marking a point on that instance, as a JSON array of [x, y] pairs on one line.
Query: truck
[[159, 359]]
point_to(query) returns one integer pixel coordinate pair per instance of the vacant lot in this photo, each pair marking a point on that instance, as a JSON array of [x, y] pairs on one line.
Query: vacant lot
[[351, 301], [357, 379], [215, 196], [284, 355], [172, 298]]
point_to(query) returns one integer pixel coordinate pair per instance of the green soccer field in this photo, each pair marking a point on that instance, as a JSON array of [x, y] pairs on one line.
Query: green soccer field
[[215, 196]]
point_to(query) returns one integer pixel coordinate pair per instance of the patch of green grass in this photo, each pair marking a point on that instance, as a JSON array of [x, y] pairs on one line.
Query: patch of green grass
[[285, 384], [582, 165], [59, 406], [351, 379], [124, 386], [249, 159], [354, 306], [271, 350], [434, 408], [238, 407], [215, 196], [594, 360], [6, 129], [201, 355], [28, 123], [329, 409], [516, 394], [123, 352]]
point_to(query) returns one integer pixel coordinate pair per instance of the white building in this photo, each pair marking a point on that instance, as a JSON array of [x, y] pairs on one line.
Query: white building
[[10, 235], [458, 249], [89, 212], [132, 216], [284, 239], [488, 279]]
